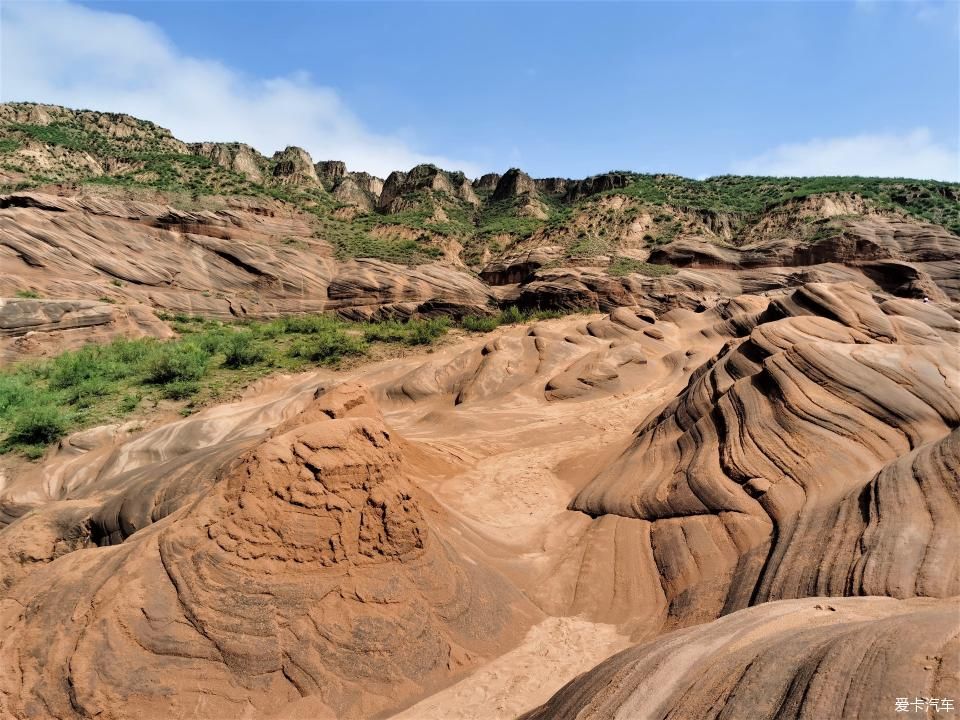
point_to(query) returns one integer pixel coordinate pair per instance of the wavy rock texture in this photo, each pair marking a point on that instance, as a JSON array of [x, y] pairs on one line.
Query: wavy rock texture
[[245, 259], [766, 444], [338, 552], [849, 657], [310, 569]]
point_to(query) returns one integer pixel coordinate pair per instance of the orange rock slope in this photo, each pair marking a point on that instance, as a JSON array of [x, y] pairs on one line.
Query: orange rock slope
[[461, 534]]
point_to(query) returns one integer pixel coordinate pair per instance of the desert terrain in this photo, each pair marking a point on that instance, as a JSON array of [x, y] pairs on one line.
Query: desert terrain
[[433, 447]]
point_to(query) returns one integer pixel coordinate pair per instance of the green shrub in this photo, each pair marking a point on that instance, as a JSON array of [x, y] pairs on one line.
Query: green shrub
[[623, 266], [480, 323], [129, 402], [212, 341], [309, 324], [180, 389], [512, 315], [387, 331], [426, 332], [76, 367], [241, 350], [268, 330], [328, 347], [131, 353], [15, 390], [27, 294], [415, 331], [171, 362], [37, 425], [548, 314], [83, 394]]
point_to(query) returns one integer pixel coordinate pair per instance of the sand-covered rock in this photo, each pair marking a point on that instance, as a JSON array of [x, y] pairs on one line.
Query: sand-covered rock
[[815, 658], [712, 472], [310, 569]]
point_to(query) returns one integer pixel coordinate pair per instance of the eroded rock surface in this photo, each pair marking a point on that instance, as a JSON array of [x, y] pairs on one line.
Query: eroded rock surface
[[849, 657], [705, 482], [309, 570]]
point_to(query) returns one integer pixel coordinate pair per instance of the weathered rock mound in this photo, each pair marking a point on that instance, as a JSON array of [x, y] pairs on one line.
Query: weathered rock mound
[[850, 657], [310, 569]]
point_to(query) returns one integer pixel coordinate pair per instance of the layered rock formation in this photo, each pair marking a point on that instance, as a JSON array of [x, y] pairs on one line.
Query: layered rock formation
[[734, 484], [294, 166], [238, 157], [300, 552], [514, 182], [309, 571], [843, 658], [244, 258]]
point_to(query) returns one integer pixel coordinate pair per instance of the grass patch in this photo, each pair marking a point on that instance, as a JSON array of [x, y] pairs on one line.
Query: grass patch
[[511, 315], [623, 266], [747, 197], [328, 347], [27, 294], [42, 400], [481, 323], [412, 332], [176, 362], [242, 350]]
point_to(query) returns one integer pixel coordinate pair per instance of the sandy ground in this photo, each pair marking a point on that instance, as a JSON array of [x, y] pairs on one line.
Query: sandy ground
[[553, 652]]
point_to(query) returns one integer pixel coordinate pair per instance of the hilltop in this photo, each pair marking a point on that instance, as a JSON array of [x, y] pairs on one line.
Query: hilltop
[[417, 215]]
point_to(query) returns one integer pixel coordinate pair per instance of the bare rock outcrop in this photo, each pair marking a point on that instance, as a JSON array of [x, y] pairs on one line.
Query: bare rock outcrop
[[372, 288], [514, 183], [552, 186], [309, 570], [348, 192], [595, 184], [330, 172], [849, 657], [19, 316], [773, 448], [238, 157], [487, 182], [422, 177], [240, 259], [294, 166], [368, 183]]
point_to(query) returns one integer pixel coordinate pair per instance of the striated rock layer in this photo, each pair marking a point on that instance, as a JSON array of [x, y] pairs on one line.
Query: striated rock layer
[[705, 482], [309, 570], [849, 657]]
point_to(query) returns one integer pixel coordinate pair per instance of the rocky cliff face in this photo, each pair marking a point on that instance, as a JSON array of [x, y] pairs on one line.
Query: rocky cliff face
[[238, 157], [331, 172], [294, 166], [514, 183], [487, 182]]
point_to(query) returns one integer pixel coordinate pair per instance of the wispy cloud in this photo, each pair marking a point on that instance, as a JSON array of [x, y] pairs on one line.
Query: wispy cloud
[[914, 154], [67, 54]]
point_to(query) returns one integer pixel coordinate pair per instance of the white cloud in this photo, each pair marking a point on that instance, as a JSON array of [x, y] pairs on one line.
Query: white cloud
[[67, 54], [914, 155]]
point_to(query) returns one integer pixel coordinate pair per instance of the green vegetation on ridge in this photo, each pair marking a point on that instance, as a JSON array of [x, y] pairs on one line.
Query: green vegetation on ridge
[[623, 266], [141, 155], [42, 400], [749, 197]]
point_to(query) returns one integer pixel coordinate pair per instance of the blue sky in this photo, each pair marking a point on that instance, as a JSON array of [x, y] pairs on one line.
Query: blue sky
[[556, 88]]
